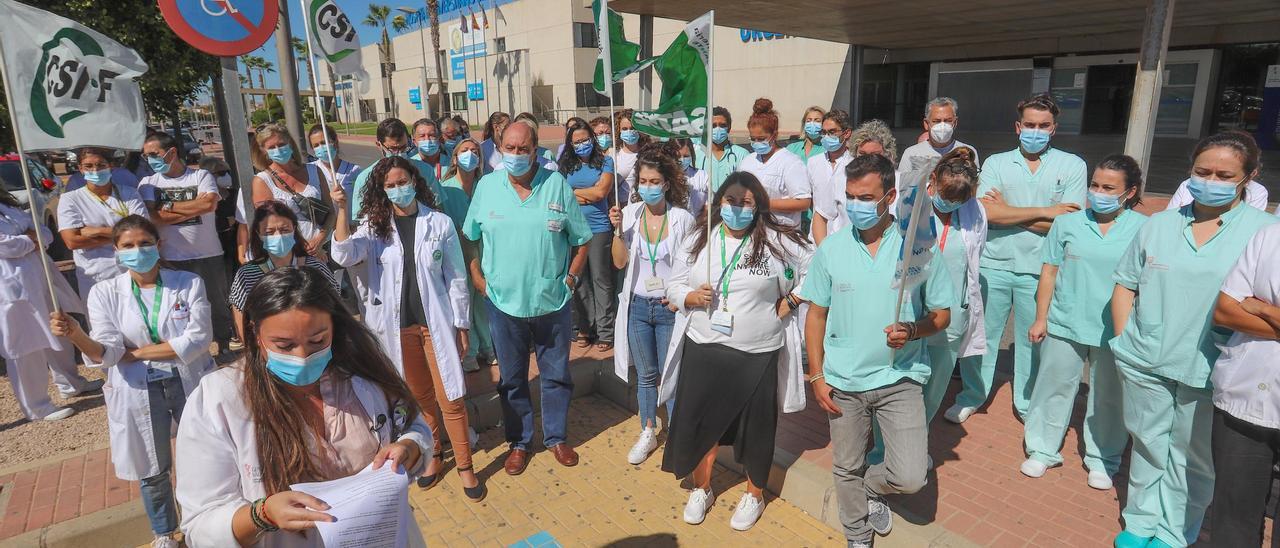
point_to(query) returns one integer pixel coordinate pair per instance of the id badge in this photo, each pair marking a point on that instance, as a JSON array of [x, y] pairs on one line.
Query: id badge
[[555, 225], [654, 284], [722, 322], [159, 372]]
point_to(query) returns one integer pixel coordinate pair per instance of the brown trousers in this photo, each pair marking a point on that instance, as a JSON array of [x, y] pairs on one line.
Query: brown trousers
[[422, 374]]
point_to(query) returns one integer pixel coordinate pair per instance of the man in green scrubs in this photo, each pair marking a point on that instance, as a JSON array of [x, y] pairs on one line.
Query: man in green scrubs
[[865, 364], [725, 155], [1023, 191], [393, 140]]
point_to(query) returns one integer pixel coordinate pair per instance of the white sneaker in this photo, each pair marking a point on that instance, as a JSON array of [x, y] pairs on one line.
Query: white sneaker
[[959, 413], [644, 446], [700, 502], [164, 542], [89, 387], [59, 414], [1099, 480], [1033, 468], [748, 511], [879, 516]]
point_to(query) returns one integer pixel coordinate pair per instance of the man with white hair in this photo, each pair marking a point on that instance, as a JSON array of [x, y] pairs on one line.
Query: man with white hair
[[941, 117]]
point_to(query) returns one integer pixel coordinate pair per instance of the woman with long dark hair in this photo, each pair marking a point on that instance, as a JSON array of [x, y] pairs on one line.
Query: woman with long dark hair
[[735, 329], [315, 399], [419, 301], [590, 173]]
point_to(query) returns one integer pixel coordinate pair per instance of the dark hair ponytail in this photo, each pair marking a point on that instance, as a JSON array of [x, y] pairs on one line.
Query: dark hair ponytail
[[1132, 176]]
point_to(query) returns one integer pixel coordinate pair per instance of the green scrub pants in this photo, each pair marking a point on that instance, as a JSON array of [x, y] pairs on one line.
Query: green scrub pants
[[479, 337], [942, 361], [1054, 396], [1003, 291], [1171, 468]]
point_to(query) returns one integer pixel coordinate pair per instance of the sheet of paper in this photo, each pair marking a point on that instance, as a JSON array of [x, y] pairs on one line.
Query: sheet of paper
[[370, 508]]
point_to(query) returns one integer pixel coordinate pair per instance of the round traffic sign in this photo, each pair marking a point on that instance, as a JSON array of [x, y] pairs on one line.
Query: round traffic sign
[[225, 28]]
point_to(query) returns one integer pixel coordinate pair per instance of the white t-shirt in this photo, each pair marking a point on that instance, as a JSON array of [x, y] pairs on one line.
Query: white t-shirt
[[923, 151], [625, 172], [81, 208], [1254, 194], [1244, 378], [645, 269], [315, 180], [699, 189], [828, 182], [783, 176], [195, 238]]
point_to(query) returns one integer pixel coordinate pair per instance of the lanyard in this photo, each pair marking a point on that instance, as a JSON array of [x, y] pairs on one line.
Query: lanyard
[[122, 211], [728, 266], [942, 242], [650, 244], [150, 320]]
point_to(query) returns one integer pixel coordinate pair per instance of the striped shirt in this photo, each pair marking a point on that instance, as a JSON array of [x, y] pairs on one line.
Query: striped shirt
[[248, 276]]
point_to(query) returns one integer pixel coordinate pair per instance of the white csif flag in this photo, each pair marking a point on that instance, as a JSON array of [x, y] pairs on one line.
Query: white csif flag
[[72, 85], [336, 40]]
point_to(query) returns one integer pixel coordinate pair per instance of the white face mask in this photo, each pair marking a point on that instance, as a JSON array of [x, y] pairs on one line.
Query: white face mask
[[941, 132]]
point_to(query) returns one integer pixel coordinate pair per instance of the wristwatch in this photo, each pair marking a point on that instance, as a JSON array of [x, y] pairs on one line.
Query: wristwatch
[[168, 206], [574, 277]]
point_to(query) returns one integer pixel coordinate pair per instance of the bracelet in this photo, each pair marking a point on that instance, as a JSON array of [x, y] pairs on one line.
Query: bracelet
[[912, 330], [258, 515], [816, 378]]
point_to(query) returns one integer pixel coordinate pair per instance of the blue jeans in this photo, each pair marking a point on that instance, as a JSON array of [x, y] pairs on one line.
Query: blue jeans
[[547, 336], [166, 401], [649, 326]]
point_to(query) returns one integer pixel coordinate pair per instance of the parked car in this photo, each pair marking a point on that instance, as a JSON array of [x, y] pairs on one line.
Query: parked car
[[46, 188]]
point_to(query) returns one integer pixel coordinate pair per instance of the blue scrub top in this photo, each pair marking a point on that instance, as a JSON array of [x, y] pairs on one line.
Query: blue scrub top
[[1060, 178], [1081, 306], [597, 212]]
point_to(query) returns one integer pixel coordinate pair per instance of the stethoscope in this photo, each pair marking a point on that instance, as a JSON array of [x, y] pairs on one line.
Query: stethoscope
[[399, 416]]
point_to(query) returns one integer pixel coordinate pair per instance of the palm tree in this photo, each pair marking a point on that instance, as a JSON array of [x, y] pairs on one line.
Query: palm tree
[[377, 18], [303, 53], [264, 66], [433, 10], [247, 79]]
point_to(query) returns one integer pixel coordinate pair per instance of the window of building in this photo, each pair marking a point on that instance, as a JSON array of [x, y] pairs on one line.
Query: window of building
[[584, 35], [588, 98], [500, 44], [459, 100]]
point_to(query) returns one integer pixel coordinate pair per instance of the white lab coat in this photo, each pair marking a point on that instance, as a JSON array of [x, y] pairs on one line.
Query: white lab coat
[[442, 281], [185, 323], [680, 225], [218, 467], [972, 221], [24, 298], [790, 368]]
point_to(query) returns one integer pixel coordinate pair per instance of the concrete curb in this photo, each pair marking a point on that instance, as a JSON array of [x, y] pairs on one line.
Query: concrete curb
[[120, 525]]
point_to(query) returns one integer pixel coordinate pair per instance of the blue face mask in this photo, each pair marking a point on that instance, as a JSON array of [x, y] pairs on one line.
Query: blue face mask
[[761, 147], [720, 135], [604, 140], [280, 154], [1103, 203], [945, 206], [402, 195], [429, 147], [467, 160], [862, 214], [139, 259], [812, 129], [1212, 193], [323, 152], [158, 165], [686, 162], [450, 144], [278, 245], [98, 178], [583, 149], [737, 218], [1033, 140], [629, 136], [651, 194], [299, 371], [832, 143], [516, 164]]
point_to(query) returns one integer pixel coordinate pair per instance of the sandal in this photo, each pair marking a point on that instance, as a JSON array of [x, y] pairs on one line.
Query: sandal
[[477, 493], [427, 482], [604, 346], [583, 340]]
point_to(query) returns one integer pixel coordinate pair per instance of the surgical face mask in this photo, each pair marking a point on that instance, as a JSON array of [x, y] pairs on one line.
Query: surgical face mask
[[945, 206], [686, 162], [323, 152], [98, 178], [1034, 140], [280, 154], [761, 147], [429, 147], [278, 245], [450, 144], [158, 164], [402, 195], [604, 140], [583, 149], [139, 259], [1103, 203], [737, 218], [720, 135], [812, 129], [299, 371], [516, 164], [629, 136], [941, 132], [468, 161], [832, 143], [862, 214], [651, 194], [1212, 193]]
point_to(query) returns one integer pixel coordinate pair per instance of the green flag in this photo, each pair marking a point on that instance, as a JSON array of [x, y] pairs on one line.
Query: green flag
[[617, 55], [682, 111]]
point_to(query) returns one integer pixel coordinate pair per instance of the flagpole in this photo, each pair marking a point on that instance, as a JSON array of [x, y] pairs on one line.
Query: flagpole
[[315, 88], [26, 180], [602, 35], [706, 130]]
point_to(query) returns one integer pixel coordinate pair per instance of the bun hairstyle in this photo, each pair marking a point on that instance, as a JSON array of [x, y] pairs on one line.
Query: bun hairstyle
[[957, 175], [1238, 141], [661, 157], [1132, 175], [763, 116]]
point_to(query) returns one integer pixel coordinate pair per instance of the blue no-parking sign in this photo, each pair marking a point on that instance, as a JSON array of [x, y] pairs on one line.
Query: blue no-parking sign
[[225, 28]]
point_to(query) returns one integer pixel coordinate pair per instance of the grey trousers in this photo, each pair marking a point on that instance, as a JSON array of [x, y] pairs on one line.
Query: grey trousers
[[595, 301], [899, 409], [214, 274]]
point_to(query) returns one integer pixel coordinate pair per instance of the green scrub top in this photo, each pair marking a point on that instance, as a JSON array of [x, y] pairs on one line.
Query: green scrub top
[[956, 259], [1170, 331], [527, 244], [1081, 306], [357, 188], [1061, 178], [797, 148], [855, 287], [454, 201], [726, 164]]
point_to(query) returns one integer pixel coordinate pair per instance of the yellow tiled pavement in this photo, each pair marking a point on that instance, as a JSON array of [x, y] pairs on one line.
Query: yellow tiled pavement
[[601, 501]]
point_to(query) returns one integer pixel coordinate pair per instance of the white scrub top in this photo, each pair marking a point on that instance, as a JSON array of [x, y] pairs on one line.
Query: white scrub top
[[783, 176], [1244, 377]]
